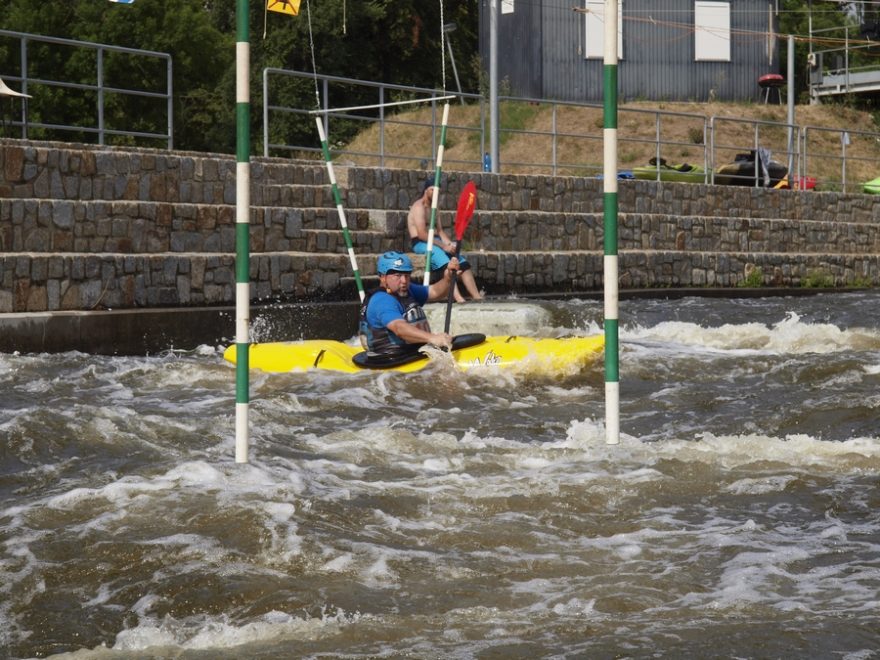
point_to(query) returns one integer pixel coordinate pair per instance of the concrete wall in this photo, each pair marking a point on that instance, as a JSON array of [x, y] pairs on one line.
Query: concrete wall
[[88, 228]]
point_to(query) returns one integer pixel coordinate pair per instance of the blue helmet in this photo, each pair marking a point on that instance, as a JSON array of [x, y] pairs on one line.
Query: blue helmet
[[394, 261]]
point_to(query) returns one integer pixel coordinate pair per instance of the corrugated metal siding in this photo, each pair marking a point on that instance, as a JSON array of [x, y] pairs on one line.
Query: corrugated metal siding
[[541, 52], [519, 47], [564, 68]]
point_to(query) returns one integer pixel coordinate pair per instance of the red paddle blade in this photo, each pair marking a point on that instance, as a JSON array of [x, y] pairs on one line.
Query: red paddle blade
[[467, 202]]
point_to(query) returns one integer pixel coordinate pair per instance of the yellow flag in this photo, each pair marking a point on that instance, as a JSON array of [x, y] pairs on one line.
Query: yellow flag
[[283, 6]]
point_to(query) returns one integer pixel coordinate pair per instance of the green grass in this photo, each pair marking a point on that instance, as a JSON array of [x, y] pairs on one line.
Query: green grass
[[753, 279], [817, 279]]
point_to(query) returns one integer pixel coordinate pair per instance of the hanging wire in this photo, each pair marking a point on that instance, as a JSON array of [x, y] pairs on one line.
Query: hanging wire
[[312, 51], [442, 47]]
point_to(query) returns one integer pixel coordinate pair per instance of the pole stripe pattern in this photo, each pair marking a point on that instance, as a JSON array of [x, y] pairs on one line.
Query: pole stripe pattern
[[337, 198], [436, 193], [610, 216], [242, 226]]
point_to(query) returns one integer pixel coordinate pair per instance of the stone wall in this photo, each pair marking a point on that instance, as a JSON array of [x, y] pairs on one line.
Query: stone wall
[[90, 228]]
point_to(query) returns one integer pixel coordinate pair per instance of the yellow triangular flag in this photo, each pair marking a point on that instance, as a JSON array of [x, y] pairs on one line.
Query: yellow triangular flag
[[283, 6]]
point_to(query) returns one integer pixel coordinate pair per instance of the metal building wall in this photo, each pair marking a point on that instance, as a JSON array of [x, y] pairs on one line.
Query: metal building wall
[[519, 47], [541, 45]]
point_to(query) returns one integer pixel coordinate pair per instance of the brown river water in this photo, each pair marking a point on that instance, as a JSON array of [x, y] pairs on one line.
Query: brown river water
[[448, 515]]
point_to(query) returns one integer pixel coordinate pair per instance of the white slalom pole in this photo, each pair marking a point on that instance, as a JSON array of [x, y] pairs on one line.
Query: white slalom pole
[[242, 228], [610, 207], [436, 194], [340, 211]]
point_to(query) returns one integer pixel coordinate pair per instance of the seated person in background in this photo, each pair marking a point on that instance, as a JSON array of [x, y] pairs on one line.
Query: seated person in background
[[392, 321], [444, 247]]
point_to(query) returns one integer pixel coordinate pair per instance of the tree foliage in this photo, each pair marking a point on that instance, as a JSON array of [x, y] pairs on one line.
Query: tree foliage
[[392, 41], [823, 22], [389, 41]]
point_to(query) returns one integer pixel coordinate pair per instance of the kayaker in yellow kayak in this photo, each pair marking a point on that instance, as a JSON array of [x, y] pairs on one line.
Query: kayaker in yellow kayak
[[392, 321]]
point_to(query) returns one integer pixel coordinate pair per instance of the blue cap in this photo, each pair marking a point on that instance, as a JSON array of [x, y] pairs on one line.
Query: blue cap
[[394, 261]]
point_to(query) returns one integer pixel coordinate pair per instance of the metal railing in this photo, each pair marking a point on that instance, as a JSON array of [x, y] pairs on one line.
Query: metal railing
[[569, 141], [845, 68], [845, 159], [382, 93], [35, 85], [728, 163], [569, 144]]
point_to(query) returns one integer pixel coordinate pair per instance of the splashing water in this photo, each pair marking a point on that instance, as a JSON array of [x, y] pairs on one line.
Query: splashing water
[[441, 514]]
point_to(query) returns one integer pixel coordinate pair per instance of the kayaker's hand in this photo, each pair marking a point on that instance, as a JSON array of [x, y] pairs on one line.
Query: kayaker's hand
[[449, 247], [441, 339], [452, 265]]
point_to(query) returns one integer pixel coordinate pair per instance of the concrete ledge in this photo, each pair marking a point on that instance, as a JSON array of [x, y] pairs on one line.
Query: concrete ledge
[[152, 331]]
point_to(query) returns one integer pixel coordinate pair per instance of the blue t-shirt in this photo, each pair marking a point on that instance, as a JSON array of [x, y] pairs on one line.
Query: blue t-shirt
[[384, 308]]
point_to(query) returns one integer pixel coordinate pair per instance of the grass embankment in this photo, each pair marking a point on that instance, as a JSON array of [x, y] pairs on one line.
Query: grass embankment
[[526, 148]]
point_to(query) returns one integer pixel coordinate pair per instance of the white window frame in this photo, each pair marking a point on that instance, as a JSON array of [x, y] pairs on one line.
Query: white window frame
[[507, 7], [594, 30], [711, 31]]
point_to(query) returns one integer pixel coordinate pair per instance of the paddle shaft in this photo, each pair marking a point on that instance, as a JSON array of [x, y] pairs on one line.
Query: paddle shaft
[[451, 297]]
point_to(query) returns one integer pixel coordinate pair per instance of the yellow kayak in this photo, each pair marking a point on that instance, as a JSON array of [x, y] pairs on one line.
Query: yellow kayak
[[533, 354]]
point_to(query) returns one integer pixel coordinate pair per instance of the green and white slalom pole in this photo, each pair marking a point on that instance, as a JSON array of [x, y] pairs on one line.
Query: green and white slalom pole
[[436, 194], [242, 226], [338, 200], [610, 207]]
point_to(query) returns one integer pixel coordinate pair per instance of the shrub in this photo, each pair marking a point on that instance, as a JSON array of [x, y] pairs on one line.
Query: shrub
[[754, 277]]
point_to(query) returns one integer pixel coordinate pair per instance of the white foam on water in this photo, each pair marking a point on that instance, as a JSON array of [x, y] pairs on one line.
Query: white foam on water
[[490, 318], [553, 596], [285, 543], [194, 473], [791, 335], [766, 572], [590, 434], [575, 607], [550, 520], [339, 564], [205, 633], [760, 486], [802, 451]]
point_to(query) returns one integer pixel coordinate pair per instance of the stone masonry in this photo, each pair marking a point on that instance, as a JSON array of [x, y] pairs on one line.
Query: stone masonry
[[90, 228]]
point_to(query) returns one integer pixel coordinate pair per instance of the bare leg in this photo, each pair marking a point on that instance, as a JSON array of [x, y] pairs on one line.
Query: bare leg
[[458, 297], [467, 278]]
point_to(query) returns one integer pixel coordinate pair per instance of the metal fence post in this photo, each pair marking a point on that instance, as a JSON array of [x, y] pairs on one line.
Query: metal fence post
[[170, 103], [101, 96], [24, 77]]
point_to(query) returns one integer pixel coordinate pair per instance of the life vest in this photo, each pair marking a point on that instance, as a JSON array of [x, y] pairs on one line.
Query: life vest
[[382, 340]]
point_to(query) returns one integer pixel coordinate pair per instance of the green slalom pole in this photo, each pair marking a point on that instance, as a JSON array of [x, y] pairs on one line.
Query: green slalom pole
[[610, 208], [338, 200], [436, 194], [242, 226]]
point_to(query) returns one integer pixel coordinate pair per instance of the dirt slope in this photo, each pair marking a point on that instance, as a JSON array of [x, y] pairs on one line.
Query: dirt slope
[[682, 126]]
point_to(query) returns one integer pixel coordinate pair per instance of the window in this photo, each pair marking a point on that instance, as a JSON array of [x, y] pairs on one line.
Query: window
[[712, 31], [595, 29]]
